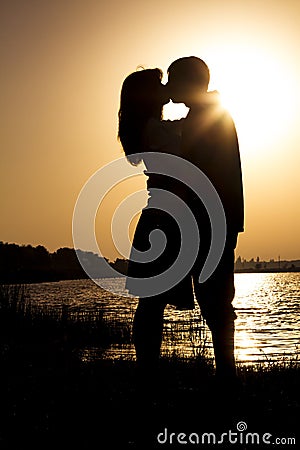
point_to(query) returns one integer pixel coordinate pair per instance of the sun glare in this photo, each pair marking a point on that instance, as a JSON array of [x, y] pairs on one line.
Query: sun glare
[[257, 90]]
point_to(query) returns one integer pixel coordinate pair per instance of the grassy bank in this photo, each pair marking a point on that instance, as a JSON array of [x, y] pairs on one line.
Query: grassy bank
[[52, 399], [23, 322]]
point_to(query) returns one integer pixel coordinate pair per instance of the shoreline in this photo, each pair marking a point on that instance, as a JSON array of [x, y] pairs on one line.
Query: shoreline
[[56, 280]]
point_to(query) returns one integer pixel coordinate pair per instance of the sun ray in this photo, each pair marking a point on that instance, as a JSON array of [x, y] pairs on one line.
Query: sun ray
[[258, 92]]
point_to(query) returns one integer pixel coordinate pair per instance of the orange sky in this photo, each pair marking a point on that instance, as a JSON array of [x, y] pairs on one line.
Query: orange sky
[[62, 66]]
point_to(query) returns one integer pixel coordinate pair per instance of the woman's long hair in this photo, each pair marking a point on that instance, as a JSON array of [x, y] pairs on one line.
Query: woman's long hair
[[141, 100]]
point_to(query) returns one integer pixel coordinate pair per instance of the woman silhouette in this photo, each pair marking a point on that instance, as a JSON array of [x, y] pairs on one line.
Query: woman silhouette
[[141, 129]]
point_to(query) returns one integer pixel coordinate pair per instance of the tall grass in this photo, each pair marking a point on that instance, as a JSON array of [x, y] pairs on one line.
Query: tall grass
[[25, 322], [66, 328]]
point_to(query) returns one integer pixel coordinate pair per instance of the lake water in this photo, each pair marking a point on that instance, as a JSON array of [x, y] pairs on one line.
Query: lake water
[[267, 306]]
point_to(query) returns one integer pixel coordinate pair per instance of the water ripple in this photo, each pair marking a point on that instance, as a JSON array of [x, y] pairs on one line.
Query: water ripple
[[267, 306]]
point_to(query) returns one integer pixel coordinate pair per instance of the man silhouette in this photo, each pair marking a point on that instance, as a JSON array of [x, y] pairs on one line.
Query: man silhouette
[[209, 140]]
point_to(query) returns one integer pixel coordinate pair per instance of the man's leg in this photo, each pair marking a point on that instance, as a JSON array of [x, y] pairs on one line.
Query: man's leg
[[215, 298], [223, 342]]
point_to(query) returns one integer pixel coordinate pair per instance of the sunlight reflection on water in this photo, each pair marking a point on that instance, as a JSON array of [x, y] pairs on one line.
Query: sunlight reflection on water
[[267, 306]]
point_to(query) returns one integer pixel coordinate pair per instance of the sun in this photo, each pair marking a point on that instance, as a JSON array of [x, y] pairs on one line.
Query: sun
[[256, 88]]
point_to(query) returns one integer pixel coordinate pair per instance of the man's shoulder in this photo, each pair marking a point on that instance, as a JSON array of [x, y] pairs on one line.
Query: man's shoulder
[[209, 117]]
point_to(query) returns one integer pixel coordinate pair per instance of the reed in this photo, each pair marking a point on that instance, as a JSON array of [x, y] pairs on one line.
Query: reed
[[27, 322], [69, 327]]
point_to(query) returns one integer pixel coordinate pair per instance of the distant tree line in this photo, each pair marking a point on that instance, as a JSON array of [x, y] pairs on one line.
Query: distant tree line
[[28, 264]]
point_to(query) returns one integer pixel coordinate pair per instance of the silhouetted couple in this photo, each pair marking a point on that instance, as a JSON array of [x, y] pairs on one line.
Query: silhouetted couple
[[207, 138]]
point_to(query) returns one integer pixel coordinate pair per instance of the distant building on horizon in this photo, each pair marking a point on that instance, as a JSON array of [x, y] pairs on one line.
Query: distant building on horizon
[[257, 265]]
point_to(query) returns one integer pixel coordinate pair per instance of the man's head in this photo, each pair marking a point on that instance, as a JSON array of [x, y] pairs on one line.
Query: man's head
[[188, 78]]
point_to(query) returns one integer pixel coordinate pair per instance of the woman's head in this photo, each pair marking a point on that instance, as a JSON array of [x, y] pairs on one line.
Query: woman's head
[[142, 98]]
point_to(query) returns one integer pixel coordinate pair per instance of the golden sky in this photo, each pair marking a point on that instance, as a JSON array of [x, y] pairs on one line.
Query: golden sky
[[62, 66]]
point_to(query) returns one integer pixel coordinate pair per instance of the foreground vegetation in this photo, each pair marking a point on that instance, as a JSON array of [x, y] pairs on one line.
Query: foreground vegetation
[[53, 399]]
